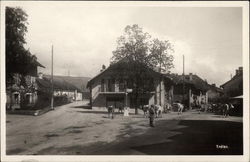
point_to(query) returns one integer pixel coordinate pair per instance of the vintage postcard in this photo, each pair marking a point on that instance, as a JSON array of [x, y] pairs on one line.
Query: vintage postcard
[[124, 81]]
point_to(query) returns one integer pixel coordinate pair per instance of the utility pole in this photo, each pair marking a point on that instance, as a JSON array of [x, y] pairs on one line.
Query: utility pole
[[160, 80], [52, 82], [183, 77]]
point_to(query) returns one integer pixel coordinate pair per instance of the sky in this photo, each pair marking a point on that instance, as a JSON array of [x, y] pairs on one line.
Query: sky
[[84, 36]]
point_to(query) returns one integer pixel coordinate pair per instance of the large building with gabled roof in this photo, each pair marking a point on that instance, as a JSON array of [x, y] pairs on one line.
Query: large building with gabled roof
[[115, 86]]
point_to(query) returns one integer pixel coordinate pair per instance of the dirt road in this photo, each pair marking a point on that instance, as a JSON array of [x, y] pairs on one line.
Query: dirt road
[[73, 129]]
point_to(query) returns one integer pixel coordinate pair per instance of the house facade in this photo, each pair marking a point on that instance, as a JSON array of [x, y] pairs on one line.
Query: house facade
[[192, 90], [21, 91], [114, 87], [214, 93], [234, 87]]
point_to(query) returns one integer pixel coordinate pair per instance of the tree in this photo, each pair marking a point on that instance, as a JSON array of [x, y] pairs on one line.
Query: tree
[[160, 55], [137, 46], [18, 59]]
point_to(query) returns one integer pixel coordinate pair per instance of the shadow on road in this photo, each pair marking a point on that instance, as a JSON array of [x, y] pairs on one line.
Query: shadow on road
[[82, 107], [93, 112], [200, 137]]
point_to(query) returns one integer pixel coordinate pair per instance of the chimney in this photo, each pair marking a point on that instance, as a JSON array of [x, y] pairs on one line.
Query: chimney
[[240, 70], [190, 76], [40, 75], [237, 72], [103, 68]]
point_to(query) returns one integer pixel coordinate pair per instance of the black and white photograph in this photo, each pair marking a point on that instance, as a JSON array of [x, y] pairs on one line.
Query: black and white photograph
[[140, 81]]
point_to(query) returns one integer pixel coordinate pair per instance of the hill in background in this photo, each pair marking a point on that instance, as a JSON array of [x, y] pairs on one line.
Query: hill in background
[[79, 82]]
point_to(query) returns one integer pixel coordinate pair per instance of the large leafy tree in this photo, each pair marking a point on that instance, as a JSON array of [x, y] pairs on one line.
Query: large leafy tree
[[138, 51], [160, 55], [18, 59]]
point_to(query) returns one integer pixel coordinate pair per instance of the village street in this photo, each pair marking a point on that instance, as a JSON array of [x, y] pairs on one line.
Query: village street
[[73, 129]]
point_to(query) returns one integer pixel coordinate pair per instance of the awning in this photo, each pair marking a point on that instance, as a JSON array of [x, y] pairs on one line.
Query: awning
[[112, 93], [238, 96]]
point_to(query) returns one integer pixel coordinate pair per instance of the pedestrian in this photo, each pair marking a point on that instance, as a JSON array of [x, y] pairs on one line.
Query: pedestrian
[[151, 116], [231, 107], [126, 111], [180, 108], [120, 109], [225, 110], [145, 110], [111, 112], [199, 108], [228, 107]]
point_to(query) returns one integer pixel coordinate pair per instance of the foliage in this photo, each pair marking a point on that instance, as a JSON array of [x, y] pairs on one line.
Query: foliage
[[159, 55], [18, 59], [137, 55], [136, 45]]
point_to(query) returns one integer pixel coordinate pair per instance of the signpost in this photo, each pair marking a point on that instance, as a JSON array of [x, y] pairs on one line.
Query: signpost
[[126, 110], [127, 91]]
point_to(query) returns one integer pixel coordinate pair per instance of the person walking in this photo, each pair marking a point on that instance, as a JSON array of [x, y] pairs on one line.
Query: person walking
[[151, 116]]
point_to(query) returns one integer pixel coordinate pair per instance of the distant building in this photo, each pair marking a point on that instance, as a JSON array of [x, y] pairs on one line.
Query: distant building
[[109, 88], [62, 86], [214, 93], [192, 90], [234, 87]]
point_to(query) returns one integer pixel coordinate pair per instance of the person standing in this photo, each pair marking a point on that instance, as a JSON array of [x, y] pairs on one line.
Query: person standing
[[231, 109], [180, 108], [226, 110], [110, 112], [151, 116], [126, 111]]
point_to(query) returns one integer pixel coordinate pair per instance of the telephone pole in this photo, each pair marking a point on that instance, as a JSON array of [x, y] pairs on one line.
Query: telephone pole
[[183, 77], [52, 82], [160, 80]]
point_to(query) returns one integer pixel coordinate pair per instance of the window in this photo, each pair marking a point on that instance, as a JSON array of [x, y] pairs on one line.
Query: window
[[121, 85], [111, 85], [102, 85]]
